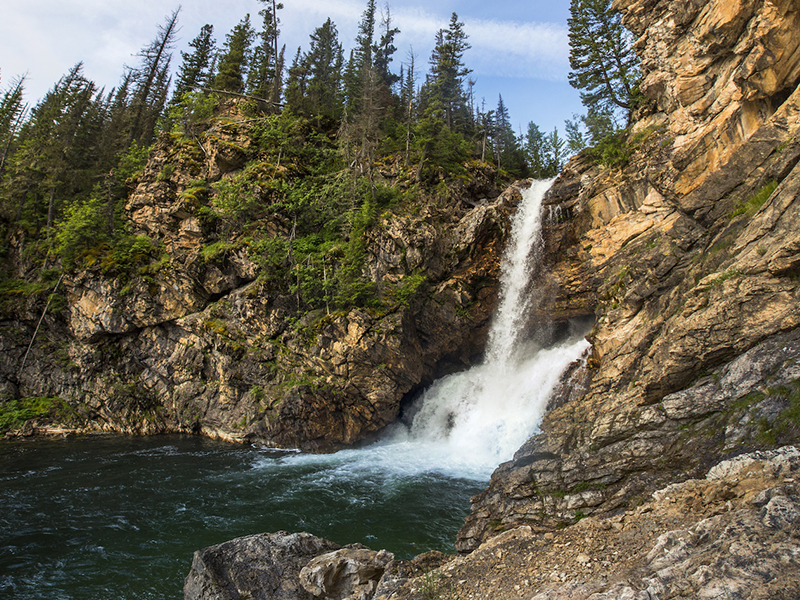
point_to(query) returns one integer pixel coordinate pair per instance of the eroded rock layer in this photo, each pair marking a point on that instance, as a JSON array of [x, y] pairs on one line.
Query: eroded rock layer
[[689, 257]]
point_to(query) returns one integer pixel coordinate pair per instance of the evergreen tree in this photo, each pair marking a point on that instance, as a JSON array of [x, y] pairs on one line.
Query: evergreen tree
[[536, 152], [151, 81], [12, 113], [195, 70], [575, 138], [366, 36], [446, 79], [324, 64], [235, 58], [408, 99], [56, 162], [297, 84], [604, 66], [509, 154], [554, 152], [385, 49], [361, 62], [599, 124], [264, 72]]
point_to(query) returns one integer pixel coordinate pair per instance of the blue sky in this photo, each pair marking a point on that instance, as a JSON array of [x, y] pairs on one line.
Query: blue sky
[[519, 48]]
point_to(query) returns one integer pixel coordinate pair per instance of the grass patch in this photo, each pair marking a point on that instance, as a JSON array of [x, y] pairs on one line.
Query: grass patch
[[756, 201]]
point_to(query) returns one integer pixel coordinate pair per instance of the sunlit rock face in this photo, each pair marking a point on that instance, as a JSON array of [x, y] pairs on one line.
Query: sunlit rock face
[[688, 256]]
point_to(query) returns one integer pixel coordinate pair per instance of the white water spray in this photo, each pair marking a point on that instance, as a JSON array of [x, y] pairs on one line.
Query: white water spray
[[470, 422], [487, 412]]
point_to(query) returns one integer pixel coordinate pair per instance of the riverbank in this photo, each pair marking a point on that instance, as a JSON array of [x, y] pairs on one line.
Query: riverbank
[[732, 534]]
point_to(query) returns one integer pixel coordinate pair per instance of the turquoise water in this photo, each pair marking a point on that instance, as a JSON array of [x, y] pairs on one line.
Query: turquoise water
[[119, 517]]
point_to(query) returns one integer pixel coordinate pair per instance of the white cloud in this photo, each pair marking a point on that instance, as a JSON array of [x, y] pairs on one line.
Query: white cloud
[[537, 50]]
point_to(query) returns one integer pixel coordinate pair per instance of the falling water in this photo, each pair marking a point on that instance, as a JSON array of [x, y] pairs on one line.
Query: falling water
[[474, 420]]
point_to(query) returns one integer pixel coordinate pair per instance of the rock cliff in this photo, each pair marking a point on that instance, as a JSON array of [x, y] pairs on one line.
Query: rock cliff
[[688, 257], [201, 339]]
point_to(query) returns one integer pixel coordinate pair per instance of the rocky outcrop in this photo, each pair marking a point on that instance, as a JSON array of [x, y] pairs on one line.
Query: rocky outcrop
[[687, 256], [261, 567], [732, 533], [349, 573], [195, 341]]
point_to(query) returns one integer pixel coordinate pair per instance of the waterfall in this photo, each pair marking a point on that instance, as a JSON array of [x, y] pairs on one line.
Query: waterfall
[[520, 260], [467, 423], [485, 414]]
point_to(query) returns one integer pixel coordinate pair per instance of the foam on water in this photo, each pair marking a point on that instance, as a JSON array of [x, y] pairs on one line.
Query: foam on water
[[468, 423]]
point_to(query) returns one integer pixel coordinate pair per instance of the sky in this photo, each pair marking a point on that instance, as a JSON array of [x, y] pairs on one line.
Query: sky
[[519, 47]]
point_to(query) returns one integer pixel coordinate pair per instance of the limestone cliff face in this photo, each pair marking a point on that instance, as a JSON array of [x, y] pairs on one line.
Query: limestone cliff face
[[196, 342], [689, 258]]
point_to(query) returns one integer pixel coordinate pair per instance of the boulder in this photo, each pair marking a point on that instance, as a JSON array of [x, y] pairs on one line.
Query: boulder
[[351, 573], [259, 567]]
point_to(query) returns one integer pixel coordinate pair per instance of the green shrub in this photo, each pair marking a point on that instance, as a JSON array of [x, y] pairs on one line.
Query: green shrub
[[83, 227], [131, 252], [14, 413], [408, 287]]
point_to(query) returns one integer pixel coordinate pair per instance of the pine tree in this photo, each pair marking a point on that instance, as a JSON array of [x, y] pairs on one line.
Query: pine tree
[[446, 79], [361, 61], [508, 153], [408, 99], [264, 76], [195, 70], [575, 138], [385, 49], [56, 162], [604, 66], [297, 84], [554, 152], [536, 152], [324, 63], [12, 113], [151, 80], [235, 58]]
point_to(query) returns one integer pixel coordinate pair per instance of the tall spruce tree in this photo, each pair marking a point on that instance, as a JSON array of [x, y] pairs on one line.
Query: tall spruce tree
[[12, 114], [324, 62], [445, 84], [263, 79], [604, 66], [361, 62], [536, 152], [235, 58], [150, 83], [195, 70], [385, 49], [57, 159], [508, 153]]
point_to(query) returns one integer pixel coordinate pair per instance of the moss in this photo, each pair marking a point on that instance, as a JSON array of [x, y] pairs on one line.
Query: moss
[[14, 413]]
